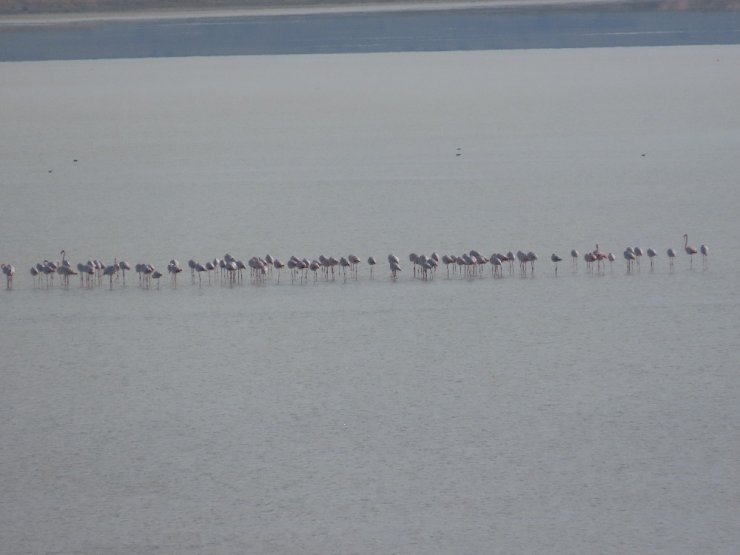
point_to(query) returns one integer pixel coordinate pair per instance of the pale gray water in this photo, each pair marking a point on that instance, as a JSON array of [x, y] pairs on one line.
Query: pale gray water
[[576, 414]]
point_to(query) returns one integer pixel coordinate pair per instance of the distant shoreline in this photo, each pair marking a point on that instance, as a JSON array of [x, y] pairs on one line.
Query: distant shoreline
[[65, 11]]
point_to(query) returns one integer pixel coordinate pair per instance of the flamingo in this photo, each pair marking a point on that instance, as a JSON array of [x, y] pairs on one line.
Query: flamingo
[[9, 271], [431, 266], [34, 274], [652, 253], [98, 266], [301, 268], [413, 258], [64, 264], [371, 262], [354, 261], [502, 258], [574, 255], [446, 260], [590, 258], [278, 266], [476, 260], [139, 270], [259, 269], [123, 266], [629, 256], [148, 270], [110, 271], [49, 268], [510, 258], [638, 255], [85, 272], [704, 254], [242, 266], [314, 267], [691, 251], [395, 267], [156, 275], [333, 263], [671, 255], [173, 268], [200, 269], [555, 258], [496, 265], [344, 263], [291, 266], [421, 261], [600, 257], [65, 271], [611, 258], [522, 258], [209, 267], [269, 260]]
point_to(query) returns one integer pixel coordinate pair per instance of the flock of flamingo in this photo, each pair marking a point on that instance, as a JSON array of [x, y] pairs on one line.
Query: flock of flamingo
[[230, 270]]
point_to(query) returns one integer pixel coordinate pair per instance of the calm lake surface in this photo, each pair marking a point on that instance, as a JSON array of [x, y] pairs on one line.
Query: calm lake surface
[[411, 30], [550, 414]]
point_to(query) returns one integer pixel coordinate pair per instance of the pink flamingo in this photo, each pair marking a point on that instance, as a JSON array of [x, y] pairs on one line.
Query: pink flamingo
[[691, 251]]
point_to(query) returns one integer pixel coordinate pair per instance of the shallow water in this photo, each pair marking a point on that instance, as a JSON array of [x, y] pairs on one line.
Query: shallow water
[[576, 413]]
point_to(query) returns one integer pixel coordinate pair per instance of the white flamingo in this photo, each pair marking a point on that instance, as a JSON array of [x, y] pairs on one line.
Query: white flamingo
[[629, 256], [124, 266], [704, 250], [395, 267], [611, 259]]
